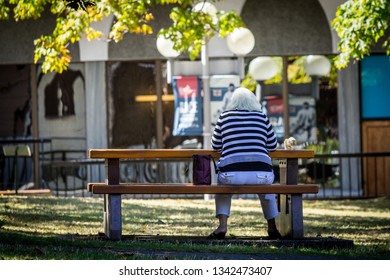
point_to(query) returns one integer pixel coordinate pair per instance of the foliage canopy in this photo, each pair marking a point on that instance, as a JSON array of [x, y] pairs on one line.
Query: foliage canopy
[[74, 18], [360, 24]]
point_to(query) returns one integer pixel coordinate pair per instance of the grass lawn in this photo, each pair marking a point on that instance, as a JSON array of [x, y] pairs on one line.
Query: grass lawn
[[46, 228]]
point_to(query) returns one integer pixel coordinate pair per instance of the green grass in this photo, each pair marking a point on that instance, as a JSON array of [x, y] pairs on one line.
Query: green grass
[[68, 228]]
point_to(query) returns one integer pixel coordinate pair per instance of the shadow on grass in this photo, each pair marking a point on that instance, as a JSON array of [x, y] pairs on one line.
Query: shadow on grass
[[25, 232]]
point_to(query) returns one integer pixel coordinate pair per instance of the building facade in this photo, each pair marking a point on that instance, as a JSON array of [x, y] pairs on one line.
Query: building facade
[[96, 103]]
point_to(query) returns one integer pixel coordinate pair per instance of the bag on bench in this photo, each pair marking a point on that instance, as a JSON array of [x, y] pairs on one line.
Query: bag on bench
[[201, 170]]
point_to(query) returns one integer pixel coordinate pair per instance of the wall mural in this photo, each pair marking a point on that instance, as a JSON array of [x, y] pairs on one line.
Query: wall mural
[[59, 94]]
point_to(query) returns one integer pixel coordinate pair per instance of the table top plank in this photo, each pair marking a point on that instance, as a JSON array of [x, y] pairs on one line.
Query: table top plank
[[102, 188], [182, 153]]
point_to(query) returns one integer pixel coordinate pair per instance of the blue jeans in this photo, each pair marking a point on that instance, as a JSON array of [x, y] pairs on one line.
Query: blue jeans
[[267, 201]]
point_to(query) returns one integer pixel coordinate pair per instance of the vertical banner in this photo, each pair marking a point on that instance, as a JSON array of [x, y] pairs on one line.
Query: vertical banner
[[302, 115], [272, 106], [188, 118], [221, 90]]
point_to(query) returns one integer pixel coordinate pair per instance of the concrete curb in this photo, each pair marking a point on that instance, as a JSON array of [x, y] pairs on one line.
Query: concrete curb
[[318, 242]]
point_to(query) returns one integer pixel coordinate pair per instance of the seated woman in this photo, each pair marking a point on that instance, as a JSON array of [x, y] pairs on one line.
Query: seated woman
[[245, 137]]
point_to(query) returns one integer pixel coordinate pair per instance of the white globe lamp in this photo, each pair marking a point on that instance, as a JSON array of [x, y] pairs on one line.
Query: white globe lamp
[[207, 8], [263, 68], [241, 41], [316, 65], [165, 48]]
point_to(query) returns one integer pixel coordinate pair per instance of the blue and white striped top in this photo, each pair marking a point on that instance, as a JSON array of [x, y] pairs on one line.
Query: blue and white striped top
[[243, 136]]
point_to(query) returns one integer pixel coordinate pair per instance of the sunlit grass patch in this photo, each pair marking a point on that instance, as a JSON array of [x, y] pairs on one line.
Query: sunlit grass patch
[[61, 228]]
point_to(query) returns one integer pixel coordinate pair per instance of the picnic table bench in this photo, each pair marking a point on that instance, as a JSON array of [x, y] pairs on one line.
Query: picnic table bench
[[289, 192]]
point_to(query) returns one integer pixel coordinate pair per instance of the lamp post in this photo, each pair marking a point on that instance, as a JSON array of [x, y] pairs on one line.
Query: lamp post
[[316, 66], [165, 47], [241, 42], [211, 10], [262, 68]]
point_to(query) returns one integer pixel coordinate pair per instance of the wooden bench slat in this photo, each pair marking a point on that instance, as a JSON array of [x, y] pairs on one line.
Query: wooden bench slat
[[27, 192], [101, 188], [182, 153]]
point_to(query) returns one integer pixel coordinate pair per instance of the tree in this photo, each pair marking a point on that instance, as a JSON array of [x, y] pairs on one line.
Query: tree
[[74, 17], [360, 24]]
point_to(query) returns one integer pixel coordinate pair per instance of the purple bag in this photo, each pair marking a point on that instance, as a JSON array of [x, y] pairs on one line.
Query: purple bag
[[201, 171]]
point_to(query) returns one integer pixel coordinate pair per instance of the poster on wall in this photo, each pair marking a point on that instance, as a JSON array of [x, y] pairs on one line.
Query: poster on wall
[[221, 90], [188, 119], [302, 115], [272, 106], [303, 126]]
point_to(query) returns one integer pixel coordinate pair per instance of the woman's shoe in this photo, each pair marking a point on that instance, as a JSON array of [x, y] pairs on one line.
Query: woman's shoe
[[214, 235], [274, 235]]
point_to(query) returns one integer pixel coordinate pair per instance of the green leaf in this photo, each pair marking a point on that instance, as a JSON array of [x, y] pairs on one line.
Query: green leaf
[[360, 24]]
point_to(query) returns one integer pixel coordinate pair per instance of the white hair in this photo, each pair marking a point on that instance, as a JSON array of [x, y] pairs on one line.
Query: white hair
[[244, 99]]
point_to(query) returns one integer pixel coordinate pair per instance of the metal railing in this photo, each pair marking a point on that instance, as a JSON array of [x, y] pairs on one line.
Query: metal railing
[[17, 169], [339, 175], [350, 175], [356, 175], [22, 171]]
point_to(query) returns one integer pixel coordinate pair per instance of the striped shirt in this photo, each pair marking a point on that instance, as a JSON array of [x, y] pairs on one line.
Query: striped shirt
[[243, 136]]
